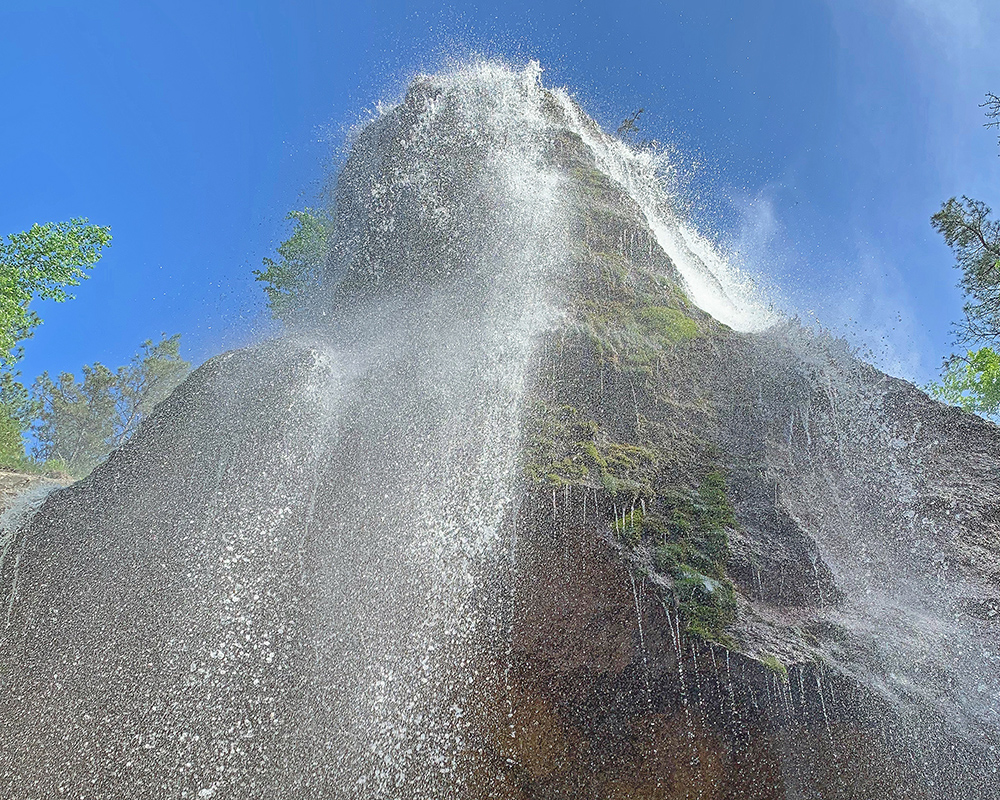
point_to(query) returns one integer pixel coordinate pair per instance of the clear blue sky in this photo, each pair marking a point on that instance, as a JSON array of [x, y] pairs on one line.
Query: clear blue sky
[[827, 134]]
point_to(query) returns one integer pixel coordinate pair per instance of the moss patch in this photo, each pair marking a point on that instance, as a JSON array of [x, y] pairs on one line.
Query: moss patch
[[565, 447], [628, 527], [668, 325], [691, 545], [681, 531], [773, 663], [634, 334], [631, 341]]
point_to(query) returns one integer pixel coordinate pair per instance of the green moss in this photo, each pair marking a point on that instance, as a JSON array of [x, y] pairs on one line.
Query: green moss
[[633, 329], [685, 528], [773, 663], [691, 545], [669, 325], [592, 181], [707, 604], [564, 447], [628, 527], [713, 507]]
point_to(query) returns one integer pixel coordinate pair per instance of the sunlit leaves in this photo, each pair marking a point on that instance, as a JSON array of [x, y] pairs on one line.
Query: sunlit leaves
[[41, 263], [971, 382], [300, 265], [80, 422]]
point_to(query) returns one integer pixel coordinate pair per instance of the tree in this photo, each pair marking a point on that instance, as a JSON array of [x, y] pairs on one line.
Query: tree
[[76, 419], [975, 240], [154, 372], [630, 124], [16, 409], [300, 266], [992, 106], [39, 262], [972, 381], [80, 423]]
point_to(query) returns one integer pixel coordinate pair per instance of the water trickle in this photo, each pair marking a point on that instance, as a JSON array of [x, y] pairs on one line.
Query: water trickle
[[316, 583]]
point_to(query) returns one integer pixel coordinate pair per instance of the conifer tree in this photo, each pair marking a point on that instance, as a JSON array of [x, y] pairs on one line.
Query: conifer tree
[[972, 380]]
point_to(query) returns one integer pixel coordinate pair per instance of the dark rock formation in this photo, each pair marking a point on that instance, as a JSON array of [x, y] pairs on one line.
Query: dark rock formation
[[524, 523]]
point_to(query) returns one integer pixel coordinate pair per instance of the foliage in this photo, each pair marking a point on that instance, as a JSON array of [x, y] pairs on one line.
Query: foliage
[[300, 265], [37, 263], [81, 422], [773, 663], [975, 240], [16, 408], [971, 382], [76, 420], [992, 106], [154, 372], [41, 262], [564, 447], [692, 546]]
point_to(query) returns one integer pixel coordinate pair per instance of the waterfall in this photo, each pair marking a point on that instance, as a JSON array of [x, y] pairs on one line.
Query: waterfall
[[300, 578]]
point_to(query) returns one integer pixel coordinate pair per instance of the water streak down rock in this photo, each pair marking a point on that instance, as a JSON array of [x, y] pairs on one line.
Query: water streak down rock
[[536, 503]]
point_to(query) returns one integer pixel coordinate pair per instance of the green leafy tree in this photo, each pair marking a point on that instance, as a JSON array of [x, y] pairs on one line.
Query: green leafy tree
[[154, 372], [38, 263], [972, 381], [77, 418], [300, 265], [16, 409], [81, 422]]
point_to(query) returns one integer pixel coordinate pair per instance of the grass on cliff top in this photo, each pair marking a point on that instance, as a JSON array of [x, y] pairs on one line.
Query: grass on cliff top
[[53, 468]]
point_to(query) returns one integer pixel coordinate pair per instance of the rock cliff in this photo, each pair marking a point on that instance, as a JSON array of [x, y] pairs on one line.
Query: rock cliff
[[512, 516]]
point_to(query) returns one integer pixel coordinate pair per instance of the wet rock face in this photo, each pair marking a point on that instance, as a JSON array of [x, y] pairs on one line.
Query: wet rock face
[[588, 685], [604, 696], [524, 523], [124, 595]]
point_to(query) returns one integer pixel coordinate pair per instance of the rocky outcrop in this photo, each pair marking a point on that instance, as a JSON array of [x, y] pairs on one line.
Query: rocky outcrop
[[13, 483], [523, 522]]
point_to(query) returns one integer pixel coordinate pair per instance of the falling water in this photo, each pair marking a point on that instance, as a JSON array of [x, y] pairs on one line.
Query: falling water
[[304, 577]]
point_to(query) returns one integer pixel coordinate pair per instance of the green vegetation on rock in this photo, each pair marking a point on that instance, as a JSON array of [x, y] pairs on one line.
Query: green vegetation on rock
[[691, 545], [612, 422], [685, 529], [39, 263], [566, 448], [628, 527], [773, 663]]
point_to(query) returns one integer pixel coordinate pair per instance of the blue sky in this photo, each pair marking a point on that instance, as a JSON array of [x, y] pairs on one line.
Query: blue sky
[[824, 135]]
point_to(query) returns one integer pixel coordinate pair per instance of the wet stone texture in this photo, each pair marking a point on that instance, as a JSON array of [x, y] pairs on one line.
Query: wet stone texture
[[514, 517]]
